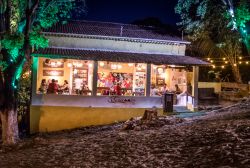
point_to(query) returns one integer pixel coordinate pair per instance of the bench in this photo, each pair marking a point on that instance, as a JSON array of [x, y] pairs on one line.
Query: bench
[[207, 96]]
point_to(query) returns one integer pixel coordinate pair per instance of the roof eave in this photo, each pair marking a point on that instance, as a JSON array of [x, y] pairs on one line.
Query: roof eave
[[145, 40], [68, 56]]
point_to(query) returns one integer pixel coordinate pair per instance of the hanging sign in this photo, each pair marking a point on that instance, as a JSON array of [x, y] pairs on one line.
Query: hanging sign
[[53, 64], [53, 72]]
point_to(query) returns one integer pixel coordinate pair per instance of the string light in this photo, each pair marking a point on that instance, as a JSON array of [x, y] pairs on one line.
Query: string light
[[208, 59], [235, 64], [211, 61], [240, 58], [224, 58]]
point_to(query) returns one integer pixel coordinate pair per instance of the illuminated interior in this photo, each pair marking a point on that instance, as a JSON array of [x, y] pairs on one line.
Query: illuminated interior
[[75, 77], [77, 73], [127, 79], [171, 76]]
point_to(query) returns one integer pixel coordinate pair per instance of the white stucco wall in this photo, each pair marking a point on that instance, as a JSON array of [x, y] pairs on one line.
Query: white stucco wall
[[117, 45]]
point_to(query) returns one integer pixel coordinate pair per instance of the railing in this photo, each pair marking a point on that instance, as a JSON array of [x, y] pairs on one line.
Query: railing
[[224, 86], [234, 86], [189, 99]]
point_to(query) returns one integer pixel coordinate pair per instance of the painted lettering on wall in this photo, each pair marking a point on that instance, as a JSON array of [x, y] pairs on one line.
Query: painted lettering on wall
[[119, 99]]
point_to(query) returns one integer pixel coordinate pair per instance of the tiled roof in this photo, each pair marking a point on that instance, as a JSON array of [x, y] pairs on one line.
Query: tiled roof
[[118, 56], [113, 29]]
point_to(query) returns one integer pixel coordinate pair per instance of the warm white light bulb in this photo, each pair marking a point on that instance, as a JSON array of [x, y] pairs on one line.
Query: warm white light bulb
[[90, 65], [160, 70], [69, 65], [101, 64], [119, 66], [113, 66], [53, 63], [59, 63]]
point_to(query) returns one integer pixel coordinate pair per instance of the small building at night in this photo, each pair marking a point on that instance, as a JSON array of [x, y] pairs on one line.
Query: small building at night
[[96, 73]]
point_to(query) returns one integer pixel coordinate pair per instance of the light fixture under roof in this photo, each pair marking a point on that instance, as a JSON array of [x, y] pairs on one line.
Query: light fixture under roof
[[69, 65], [59, 63], [90, 65], [53, 63], [113, 66], [79, 64], [130, 64], [119, 66], [160, 70], [101, 64]]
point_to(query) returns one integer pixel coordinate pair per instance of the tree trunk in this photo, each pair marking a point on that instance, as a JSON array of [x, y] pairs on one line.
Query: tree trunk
[[236, 73], [8, 110], [9, 126]]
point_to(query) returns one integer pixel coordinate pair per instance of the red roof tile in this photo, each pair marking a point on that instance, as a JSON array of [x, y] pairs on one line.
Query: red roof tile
[[113, 29]]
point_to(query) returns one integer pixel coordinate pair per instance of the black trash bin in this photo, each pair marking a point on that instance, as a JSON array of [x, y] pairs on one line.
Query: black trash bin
[[168, 102]]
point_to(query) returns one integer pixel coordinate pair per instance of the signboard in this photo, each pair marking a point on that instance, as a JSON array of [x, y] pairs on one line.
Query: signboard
[[53, 72], [52, 64], [160, 76]]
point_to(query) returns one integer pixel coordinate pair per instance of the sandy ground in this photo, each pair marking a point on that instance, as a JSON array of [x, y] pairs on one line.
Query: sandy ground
[[216, 140]]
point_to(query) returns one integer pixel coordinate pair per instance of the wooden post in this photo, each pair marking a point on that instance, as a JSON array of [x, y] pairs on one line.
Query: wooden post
[[195, 87], [148, 79], [35, 64], [95, 74]]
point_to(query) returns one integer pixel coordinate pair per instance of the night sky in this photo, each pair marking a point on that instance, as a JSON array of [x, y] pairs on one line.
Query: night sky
[[127, 11]]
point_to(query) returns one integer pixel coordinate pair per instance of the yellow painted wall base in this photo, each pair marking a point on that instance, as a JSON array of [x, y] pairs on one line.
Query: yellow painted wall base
[[51, 118]]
